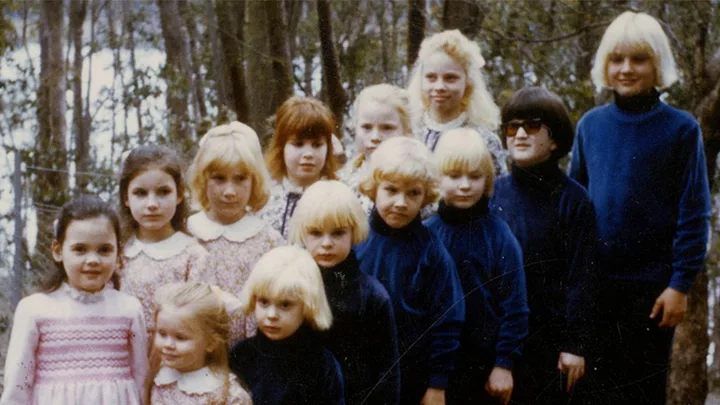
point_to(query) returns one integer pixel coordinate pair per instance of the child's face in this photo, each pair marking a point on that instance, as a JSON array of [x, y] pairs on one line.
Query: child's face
[[181, 347], [376, 122], [305, 159], [228, 192], [89, 253], [279, 318], [528, 149], [398, 203], [153, 199], [462, 189], [631, 72], [328, 246], [443, 84]]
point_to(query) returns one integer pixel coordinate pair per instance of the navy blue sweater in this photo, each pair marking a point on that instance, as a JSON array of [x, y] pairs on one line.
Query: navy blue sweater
[[363, 337], [294, 371], [645, 173], [553, 219], [426, 294], [490, 265]]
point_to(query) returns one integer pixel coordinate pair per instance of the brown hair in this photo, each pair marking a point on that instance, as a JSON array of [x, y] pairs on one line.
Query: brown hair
[[303, 118]]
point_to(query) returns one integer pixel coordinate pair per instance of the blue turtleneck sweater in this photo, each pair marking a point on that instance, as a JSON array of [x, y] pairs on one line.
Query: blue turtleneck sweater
[[419, 274], [490, 265], [644, 169], [553, 219], [363, 337]]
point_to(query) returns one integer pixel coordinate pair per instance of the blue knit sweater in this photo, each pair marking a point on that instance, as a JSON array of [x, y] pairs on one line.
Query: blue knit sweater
[[645, 173], [553, 219], [489, 263], [427, 297]]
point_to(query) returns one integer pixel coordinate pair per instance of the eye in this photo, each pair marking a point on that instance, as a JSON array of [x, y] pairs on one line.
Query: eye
[[476, 176], [139, 192], [615, 58], [414, 192], [318, 144], [430, 77], [640, 58], [315, 233], [240, 178], [452, 78], [165, 191], [79, 249], [390, 189], [454, 175], [388, 127], [285, 304], [339, 232], [366, 127], [107, 249], [298, 143], [262, 301], [218, 177]]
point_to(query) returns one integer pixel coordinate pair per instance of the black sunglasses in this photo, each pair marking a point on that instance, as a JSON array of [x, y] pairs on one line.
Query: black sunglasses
[[531, 126]]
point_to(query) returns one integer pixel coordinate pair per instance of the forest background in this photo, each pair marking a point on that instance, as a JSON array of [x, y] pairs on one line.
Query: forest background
[[82, 81]]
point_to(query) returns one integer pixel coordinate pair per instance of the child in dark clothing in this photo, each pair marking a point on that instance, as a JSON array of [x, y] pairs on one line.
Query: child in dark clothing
[[415, 268], [328, 220], [284, 364], [643, 164], [554, 221], [489, 263]]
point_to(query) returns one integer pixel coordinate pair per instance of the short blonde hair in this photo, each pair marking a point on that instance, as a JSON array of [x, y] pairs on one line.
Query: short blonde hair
[[227, 147], [328, 204], [641, 32], [402, 160], [477, 101], [463, 150], [289, 271]]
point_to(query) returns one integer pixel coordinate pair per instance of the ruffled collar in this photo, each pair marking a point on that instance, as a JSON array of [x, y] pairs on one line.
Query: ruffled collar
[[640, 103], [442, 127], [206, 229], [162, 250], [380, 226], [85, 297], [457, 216], [288, 187], [200, 381]]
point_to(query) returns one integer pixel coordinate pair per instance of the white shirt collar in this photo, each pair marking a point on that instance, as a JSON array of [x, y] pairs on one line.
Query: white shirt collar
[[206, 229], [288, 187], [162, 250], [199, 381], [442, 127]]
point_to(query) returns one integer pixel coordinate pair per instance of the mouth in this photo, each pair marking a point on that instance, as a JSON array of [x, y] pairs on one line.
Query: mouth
[[325, 256]]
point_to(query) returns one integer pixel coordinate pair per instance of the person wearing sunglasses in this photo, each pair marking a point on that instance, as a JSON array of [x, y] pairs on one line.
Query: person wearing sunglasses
[[554, 221]]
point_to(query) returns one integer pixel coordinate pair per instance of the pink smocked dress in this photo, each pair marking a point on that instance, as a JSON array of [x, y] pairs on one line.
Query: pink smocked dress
[[234, 249], [149, 266], [70, 347], [199, 387]]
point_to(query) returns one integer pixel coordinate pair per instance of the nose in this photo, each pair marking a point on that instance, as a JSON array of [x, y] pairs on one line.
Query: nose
[[375, 136], [229, 190], [168, 343], [440, 84], [626, 65], [464, 183], [152, 202], [401, 200], [326, 241], [92, 258], [521, 133], [272, 312]]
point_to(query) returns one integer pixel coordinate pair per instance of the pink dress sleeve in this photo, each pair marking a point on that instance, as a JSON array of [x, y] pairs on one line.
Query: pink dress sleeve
[[20, 362], [138, 349], [198, 266]]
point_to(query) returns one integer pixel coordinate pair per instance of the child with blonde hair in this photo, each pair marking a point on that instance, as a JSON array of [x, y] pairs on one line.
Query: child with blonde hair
[[490, 266], [284, 363], [229, 180], [300, 153], [414, 266], [79, 341], [328, 221], [189, 357], [447, 90], [643, 164], [159, 249]]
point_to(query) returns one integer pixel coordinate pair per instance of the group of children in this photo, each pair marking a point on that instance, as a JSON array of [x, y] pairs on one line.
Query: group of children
[[510, 291]]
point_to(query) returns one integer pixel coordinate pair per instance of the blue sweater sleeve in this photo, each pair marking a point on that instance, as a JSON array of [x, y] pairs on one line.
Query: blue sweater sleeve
[[446, 311], [387, 388], [512, 296], [691, 235], [578, 171], [333, 392]]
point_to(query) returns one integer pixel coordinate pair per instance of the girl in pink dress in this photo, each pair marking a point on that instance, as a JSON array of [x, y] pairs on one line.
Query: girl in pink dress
[[228, 179], [79, 341], [189, 358], [159, 249]]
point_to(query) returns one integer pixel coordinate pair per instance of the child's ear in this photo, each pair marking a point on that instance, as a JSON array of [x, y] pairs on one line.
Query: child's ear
[[56, 251]]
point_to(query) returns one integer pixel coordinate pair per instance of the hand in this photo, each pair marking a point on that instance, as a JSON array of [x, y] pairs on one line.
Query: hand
[[500, 384], [673, 305], [433, 396], [573, 366]]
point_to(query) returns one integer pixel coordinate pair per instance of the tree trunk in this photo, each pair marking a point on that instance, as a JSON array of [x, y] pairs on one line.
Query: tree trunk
[[220, 74], [136, 80], [331, 66], [78, 11], [177, 73], [281, 85], [463, 15], [416, 29], [229, 14], [259, 68], [188, 16]]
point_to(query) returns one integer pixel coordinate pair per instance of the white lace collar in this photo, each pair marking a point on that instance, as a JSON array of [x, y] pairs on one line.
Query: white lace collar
[[199, 381], [288, 187], [442, 127], [162, 250], [85, 297], [206, 229]]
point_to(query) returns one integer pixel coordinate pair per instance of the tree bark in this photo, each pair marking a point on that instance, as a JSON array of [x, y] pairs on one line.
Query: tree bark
[[188, 16], [258, 67], [136, 100], [464, 15], [281, 85], [331, 67], [78, 11], [220, 74], [230, 14], [416, 29]]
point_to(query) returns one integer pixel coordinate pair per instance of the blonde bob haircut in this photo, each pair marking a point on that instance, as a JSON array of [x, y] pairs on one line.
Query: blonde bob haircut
[[289, 271], [641, 33], [477, 101], [326, 205], [462, 151], [402, 160], [234, 146]]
